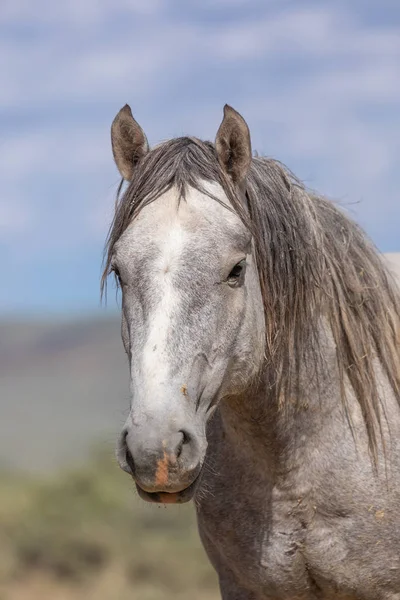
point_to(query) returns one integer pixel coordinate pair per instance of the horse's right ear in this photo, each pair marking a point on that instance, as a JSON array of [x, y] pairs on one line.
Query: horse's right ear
[[129, 143]]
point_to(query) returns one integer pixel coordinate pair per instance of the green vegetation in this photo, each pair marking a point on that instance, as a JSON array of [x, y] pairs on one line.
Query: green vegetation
[[84, 532]]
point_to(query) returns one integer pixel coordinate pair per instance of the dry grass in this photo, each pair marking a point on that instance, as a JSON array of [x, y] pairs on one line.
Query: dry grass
[[84, 534]]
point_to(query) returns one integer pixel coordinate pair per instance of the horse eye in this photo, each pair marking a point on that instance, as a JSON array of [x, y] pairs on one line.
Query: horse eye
[[236, 272], [117, 275]]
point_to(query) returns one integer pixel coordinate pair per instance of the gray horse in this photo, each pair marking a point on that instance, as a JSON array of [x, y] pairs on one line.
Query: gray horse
[[262, 331]]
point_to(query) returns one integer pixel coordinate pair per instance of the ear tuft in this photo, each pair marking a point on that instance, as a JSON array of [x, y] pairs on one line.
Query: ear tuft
[[129, 143], [233, 145]]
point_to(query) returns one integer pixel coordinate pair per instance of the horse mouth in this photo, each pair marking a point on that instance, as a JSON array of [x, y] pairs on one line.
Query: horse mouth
[[181, 497]]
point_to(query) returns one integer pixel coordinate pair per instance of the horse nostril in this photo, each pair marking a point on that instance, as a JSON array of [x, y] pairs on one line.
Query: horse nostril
[[124, 456], [129, 461], [179, 448], [185, 439]]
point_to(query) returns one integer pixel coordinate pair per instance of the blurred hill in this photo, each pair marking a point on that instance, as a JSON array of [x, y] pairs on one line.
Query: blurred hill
[[62, 385]]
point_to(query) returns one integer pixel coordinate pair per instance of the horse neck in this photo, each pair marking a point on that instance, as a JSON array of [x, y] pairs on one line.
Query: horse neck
[[258, 424]]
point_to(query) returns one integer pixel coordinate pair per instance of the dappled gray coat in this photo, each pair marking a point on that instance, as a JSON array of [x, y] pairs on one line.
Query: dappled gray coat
[[262, 331]]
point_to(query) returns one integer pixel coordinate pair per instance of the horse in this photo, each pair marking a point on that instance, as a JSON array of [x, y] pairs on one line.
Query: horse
[[262, 330]]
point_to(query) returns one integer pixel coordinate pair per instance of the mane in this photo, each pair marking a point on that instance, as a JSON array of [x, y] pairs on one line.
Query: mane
[[313, 261]]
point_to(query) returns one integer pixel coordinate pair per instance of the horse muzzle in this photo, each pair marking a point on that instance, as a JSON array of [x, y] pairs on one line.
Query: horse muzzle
[[165, 468]]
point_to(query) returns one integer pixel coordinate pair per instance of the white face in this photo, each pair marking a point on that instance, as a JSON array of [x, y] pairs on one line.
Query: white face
[[192, 320], [192, 313]]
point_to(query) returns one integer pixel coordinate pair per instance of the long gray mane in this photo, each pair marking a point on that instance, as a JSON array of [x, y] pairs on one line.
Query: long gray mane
[[313, 261]]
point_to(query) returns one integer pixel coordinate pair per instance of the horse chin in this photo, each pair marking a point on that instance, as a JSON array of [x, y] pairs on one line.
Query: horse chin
[[181, 497]]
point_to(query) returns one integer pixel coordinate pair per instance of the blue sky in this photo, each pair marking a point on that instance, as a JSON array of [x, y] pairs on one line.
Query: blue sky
[[317, 81]]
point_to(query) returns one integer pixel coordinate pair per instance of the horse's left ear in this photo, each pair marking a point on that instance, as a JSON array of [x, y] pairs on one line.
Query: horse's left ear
[[129, 143], [233, 145]]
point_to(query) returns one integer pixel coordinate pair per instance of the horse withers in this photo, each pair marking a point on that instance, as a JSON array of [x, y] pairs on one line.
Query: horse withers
[[262, 331]]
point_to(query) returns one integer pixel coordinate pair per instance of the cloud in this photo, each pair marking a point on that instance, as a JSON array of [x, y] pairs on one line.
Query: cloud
[[109, 56], [74, 12], [54, 151], [14, 220]]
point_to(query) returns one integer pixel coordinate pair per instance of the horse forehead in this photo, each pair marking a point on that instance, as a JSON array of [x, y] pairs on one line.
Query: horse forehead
[[173, 223], [196, 209]]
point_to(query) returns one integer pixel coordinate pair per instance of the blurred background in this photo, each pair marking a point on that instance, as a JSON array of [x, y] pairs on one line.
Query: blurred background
[[318, 83]]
